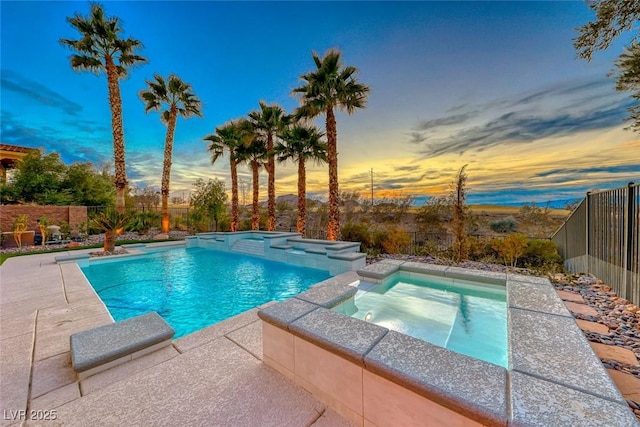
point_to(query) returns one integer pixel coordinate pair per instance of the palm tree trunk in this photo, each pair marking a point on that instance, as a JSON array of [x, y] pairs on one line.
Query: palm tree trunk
[[333, 228], [115, 103], [166, 167], [255, 218], [302, 198], [271, 185], [234, 192], [109, 241]]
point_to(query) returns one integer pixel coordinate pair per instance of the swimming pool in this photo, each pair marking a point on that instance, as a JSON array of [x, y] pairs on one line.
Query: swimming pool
[[462, 316], [192, 288]]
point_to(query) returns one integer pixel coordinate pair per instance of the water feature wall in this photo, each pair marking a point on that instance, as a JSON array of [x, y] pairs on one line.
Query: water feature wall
[[333, 256]]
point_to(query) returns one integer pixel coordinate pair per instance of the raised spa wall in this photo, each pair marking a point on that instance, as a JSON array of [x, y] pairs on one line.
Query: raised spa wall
[[377, 377], [336, 257]]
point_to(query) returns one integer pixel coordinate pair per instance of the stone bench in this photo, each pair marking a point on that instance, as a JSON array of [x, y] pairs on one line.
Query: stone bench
[[106, 346]]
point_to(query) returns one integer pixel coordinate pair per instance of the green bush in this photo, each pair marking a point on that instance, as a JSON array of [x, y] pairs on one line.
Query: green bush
[[541, 253], [377, 237], [479, 250], [178, 222], [141, 222], [356, 233], [505, 225]]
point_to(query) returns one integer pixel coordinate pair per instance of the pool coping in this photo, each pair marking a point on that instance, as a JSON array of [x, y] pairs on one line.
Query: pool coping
[[554, 377]]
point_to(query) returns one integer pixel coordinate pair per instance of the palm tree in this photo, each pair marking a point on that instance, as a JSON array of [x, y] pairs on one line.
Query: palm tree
[[268, 122], [180, 100], [101, 49], [302, 143], [329, 87], [229, 138], [254, 152]]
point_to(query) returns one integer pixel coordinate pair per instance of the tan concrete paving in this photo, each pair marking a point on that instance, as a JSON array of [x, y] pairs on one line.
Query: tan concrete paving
[[211, 377]]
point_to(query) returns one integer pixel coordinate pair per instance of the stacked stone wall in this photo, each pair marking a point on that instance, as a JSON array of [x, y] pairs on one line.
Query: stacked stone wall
[[74, 215]]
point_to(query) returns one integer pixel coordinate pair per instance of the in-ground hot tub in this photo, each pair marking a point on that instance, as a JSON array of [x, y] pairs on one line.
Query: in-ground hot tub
[[376, 376], [464, 316]]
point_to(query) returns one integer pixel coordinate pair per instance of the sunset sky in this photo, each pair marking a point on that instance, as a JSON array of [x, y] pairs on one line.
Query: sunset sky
[[495, 85]]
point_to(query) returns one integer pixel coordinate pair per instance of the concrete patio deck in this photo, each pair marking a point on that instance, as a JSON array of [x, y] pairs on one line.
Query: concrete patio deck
[[213, 377]]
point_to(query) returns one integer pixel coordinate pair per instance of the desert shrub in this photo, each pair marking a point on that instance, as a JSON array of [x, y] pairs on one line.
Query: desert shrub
[[541, 253], [377, 237], [504, 225], [282, 206], [111, 223], [43, 223], [19, 227], [391, 208], [538, 219], [429, 248], [510, 248], [244, 224], [142, 221], [178, 223], [356, 233], [478, 249], [432, 216], [224, 222], [397, 240], [199, 223], [65, 229]]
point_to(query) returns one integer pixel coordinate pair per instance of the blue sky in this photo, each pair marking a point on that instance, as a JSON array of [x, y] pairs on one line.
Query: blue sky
[[495, 85]]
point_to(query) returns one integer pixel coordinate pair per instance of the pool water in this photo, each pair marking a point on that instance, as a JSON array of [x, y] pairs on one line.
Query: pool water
[[192, 288], [464, 317]]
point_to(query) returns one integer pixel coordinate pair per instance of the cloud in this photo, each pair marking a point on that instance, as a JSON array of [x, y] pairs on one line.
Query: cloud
[[75, 148], [554, 111], [559, 89], [620, 169], [444, 121], [14, 82], [88, 126], [517, 127]]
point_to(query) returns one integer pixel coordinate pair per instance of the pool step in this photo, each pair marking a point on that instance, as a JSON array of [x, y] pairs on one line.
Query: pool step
[[248, 246]]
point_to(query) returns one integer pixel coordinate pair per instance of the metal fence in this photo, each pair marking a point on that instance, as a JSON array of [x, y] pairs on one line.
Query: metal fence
[[602, 237]]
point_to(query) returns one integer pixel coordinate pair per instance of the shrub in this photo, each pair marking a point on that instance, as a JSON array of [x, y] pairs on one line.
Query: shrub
[[510, 248], [377, 237], [65, 229], [19, 227], [396, 240], [43, 223], [541, 253], [178, 223], [478, 249], [505, 225], [111, 223], [141, 222], [356, 233]]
